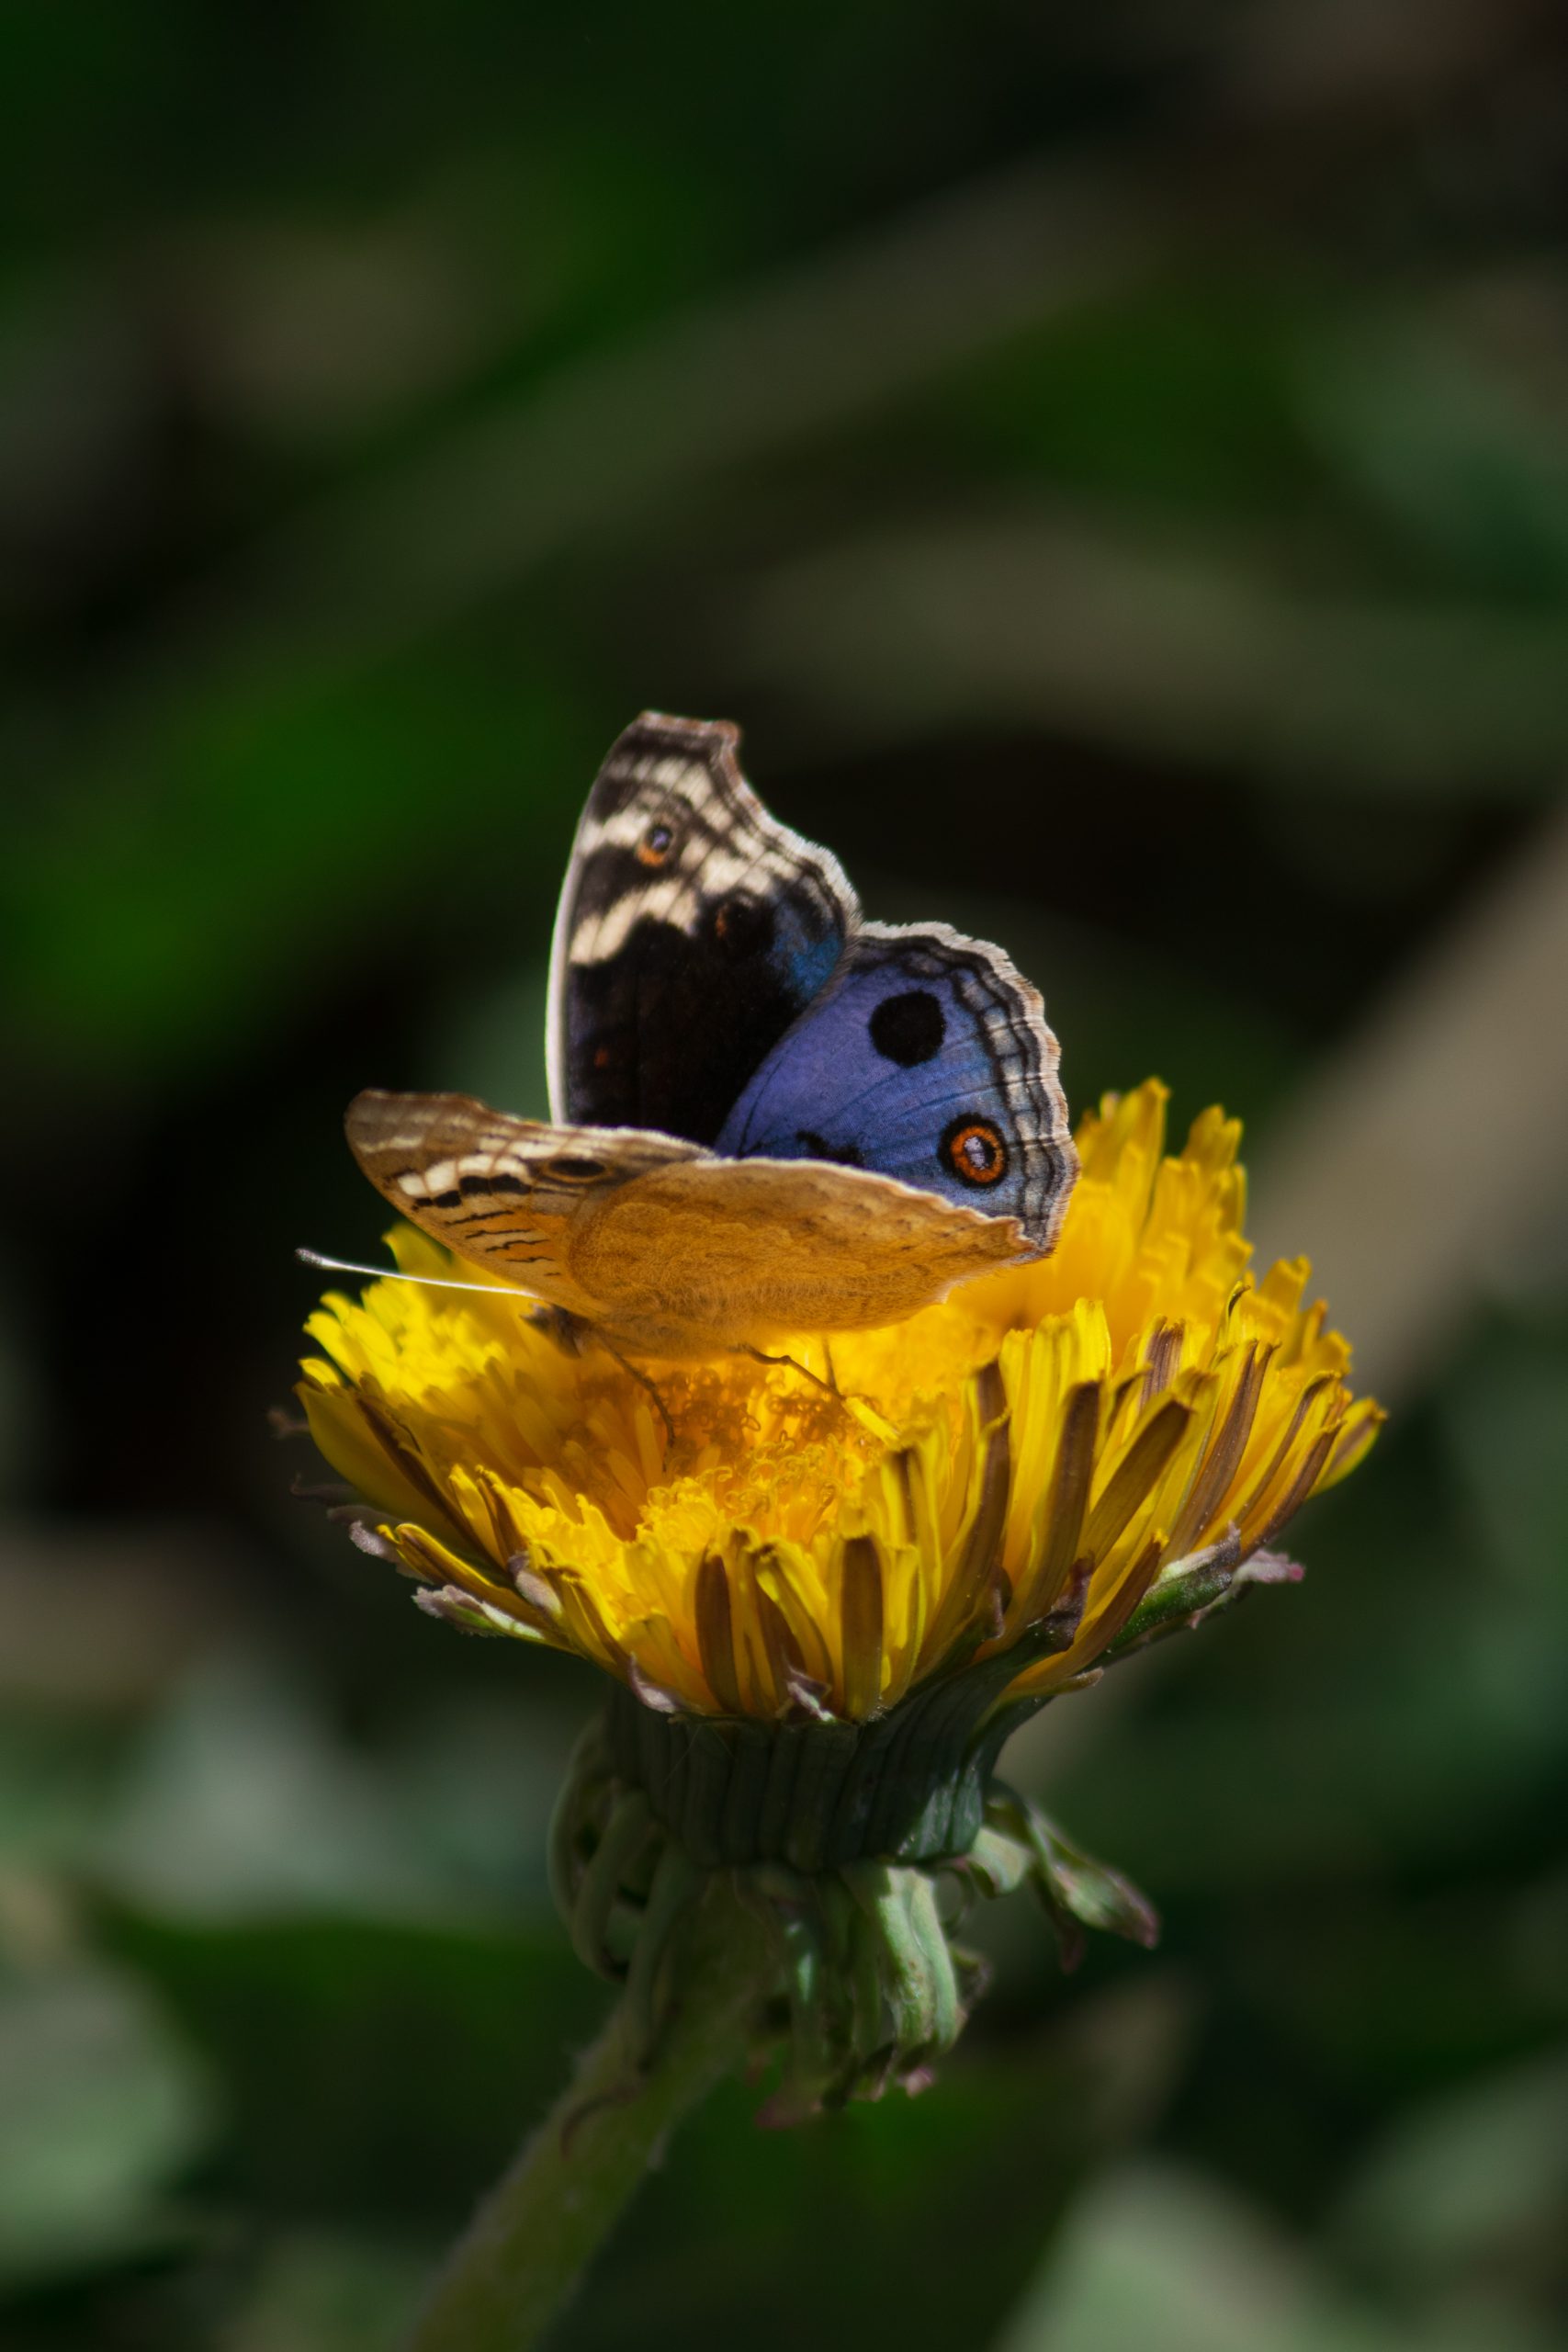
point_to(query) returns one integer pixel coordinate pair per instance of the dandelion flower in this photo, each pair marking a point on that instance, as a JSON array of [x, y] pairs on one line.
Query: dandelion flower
[[828, 1586]]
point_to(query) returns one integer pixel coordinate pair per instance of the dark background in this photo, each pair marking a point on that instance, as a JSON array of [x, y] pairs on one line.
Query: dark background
[[1116, 465]]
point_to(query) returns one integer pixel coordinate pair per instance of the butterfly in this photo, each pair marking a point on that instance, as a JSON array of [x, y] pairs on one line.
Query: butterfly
[[768, 1114]]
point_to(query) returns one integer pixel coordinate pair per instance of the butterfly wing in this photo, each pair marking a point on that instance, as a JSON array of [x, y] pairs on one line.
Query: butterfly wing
[[506, 1193], [710, 1253], [926, 1058], [692, 930], [711, 977], [664, 1249], [711, 980]]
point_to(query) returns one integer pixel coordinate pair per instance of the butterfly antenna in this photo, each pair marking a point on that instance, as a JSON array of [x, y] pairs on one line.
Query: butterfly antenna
[[396, 1275]]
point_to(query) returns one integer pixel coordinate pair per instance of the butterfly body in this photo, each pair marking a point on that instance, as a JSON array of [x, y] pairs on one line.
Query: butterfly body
[[769, 1115]]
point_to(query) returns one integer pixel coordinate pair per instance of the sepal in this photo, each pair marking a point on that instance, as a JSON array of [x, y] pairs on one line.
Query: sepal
[[1076, 1891], [872, 1986], [1185, 1594]]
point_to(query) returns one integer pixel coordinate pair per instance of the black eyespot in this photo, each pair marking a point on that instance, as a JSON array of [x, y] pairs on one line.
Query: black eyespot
[[973, 1151], [574, 1172], [742, 925], [656, 845], [908, 1028]]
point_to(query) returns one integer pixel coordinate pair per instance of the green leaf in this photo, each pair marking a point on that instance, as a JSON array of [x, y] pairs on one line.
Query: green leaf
[[1475, 2181], [1160, 2256], [372, 2071], [319, 2291], [101, 2106]]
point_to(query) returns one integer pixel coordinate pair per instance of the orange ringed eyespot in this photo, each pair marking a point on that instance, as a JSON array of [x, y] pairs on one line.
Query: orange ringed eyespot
[[975, 1151], [656, 845]]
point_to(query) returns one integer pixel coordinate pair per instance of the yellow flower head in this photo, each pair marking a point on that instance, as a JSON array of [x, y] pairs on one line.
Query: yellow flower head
[[1046, 1446]]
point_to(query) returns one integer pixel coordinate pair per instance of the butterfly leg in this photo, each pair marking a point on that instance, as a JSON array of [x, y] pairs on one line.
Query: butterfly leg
[[573, 1333], [830, 1384], [660, 1406]]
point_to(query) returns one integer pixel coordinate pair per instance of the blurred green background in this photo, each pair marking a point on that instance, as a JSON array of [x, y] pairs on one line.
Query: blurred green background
[[1114, 463]]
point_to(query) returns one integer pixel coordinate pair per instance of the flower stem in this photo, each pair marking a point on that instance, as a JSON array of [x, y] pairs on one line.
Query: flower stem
[[523, 2254]]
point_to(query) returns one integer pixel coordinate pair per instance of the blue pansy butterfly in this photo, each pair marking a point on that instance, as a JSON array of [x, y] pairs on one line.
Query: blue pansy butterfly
[[768, 1114]]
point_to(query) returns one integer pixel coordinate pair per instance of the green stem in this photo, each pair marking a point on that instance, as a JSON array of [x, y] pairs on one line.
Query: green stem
[[522, 2256]]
